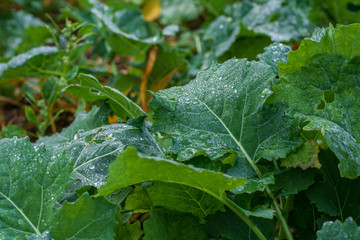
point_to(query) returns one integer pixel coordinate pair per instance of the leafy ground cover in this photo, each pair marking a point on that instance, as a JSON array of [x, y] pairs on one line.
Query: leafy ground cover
[[189, 119]]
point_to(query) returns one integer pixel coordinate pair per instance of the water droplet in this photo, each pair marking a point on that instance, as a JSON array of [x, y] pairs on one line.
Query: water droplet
[[221, 26], [92, 167], [266, 92]]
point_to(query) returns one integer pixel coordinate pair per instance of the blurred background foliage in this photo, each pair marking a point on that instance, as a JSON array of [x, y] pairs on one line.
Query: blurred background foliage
[[134, 46]]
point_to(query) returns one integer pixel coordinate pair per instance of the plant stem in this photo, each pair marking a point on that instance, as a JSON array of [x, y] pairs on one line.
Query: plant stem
[[275, 205], [235, 208], [287, 208], [279, 215]]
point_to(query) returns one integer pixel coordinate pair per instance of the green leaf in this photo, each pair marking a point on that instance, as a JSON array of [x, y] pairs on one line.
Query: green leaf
[[221, 33], [275, 53], [32, 179], [131, 168], [21, 31], [335, 195], [306, 156], [183, 199], [278, 19], [129, 231], [49, 89], [167, 224], [320, 83], [255, 184], [138, 201], [91, 90], [337, 230], [214, 6], [83, 121], [228, 225], [177, 11], [127, 25], [93, 151], [341, 11], [222, 109], [40, 61], [87, 218], [292, 181], [10, 131]]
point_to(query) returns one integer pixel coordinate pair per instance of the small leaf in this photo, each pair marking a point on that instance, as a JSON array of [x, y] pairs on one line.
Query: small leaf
[[138, 201], [337, 230], [91, 90], [10, 131], [275, 53], [306, 156]]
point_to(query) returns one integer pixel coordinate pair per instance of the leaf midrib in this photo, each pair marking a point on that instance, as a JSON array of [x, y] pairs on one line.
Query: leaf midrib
[[22, 213]]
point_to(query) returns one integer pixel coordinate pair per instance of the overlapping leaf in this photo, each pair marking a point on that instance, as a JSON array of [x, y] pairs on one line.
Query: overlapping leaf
[[175, 12], [93, 151], [38, 61], [276, 52], [228, 225], [130, 168], [321, 83], [337, 230], [91, 90], [222, 33], [275, 18], [31, 181], [222, 109], [335, 196], [86, 218], [166, 224], [183, 199]]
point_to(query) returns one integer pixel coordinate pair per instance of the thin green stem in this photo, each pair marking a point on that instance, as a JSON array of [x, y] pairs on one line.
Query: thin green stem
[[279, 215], [286, 208], [44, 71], [235, 208]]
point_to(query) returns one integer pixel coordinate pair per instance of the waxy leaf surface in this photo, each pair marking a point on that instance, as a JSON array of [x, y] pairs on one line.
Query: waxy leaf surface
[[87, 218], [94, 150], [320, 82], [222, 109], [31, 181], [337, 230]]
